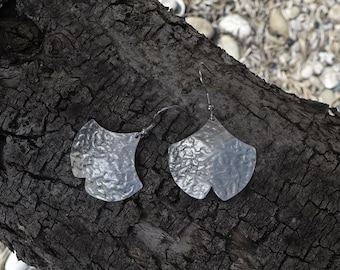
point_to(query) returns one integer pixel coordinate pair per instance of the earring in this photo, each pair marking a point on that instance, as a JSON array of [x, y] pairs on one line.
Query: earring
[[107, 160], [211, 157]]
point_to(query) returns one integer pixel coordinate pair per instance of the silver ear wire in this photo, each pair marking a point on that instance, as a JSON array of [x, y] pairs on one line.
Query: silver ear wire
[[210, 106], [145, 131]]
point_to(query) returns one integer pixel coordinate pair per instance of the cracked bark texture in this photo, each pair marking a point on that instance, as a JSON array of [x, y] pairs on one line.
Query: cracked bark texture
[[63, 63]]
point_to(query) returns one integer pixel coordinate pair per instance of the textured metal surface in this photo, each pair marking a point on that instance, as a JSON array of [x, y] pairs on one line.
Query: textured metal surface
[[106, 160], [212, 157]]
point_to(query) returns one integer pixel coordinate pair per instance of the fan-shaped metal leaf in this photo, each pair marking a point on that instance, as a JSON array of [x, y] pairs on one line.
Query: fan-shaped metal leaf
[[106, 160], [212, 157]]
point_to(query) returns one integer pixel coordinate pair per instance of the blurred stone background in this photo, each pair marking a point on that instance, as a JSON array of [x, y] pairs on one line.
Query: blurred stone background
[[294, 44]]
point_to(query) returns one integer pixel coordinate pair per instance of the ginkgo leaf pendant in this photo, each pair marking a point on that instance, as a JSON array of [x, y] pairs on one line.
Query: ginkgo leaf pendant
[[212, 157], [106, 160]]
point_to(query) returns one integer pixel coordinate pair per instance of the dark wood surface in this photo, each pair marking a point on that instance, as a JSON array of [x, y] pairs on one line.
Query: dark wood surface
[[65, 62]]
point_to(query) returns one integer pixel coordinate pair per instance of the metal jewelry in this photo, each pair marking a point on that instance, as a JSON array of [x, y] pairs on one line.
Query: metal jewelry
[[107, 160], [211, 157]]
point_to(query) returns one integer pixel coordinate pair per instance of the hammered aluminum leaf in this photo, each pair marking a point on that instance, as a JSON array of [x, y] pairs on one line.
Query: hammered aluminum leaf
[[106, 160], [212, 157]]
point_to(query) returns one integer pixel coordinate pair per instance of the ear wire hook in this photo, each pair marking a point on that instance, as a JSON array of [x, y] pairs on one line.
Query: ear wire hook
[[210, 106], [145, 131]]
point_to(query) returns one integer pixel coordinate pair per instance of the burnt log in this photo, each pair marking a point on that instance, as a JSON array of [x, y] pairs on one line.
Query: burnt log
[[119, 62]]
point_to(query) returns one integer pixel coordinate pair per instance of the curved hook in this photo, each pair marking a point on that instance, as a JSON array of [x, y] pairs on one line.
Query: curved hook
[[210, 106], [145, 131]]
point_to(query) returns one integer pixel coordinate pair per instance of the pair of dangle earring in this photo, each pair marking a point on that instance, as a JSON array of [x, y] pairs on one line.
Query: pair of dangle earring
[[209, 158]]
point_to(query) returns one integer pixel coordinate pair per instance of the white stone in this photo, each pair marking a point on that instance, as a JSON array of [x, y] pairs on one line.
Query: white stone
[[169, 3], [326, 57], [306, 71], [334, 13], [235, 25], [330, 78], [327, 26], [203, 26], [318, 68], [327, 96], [296, 25], [315, 81], [278, 25], [291, 13], [336, 67], [296, 47], [177, 6], [13, 263], [284, 58], [229, 44]]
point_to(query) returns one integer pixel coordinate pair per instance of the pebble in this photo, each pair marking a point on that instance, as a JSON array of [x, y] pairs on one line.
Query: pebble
[[285, 58], [334, 13], [177, 6], [327, 96], [291, 13], [229, 44], [317, 68], [327, 26], [296, 47], [326, 57], [306, 71], [296, 25], [315, 81], [337, 87], [202, 26], [235, 25], [278, 25], [169, 3], [13, 263], [330, 78]]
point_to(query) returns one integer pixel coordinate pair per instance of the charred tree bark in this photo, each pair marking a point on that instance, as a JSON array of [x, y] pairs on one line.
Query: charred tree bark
[[119, 62]]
